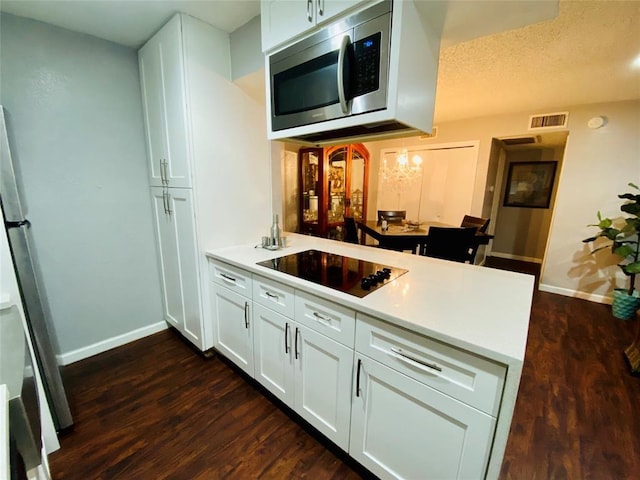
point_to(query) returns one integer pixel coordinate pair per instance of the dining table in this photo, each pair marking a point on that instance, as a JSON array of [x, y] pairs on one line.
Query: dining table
[[406, 237]]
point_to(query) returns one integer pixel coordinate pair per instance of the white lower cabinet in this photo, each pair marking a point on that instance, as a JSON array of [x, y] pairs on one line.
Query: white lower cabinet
[[323, 372], [272, 352], [402, 428], [177, 251], [233, 326], [401, 404], [308, 371]]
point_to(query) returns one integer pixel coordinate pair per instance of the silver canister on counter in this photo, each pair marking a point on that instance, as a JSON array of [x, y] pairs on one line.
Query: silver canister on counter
[[274, 241]]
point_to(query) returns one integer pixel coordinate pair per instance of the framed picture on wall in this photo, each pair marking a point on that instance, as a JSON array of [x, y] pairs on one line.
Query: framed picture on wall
[[529, 184]]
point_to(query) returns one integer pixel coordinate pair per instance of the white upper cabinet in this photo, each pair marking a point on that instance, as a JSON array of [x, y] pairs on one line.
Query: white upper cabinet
[[283, 20], [162, 77]]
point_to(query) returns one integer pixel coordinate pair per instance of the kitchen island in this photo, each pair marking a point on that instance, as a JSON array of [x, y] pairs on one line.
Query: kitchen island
[[441, 347]]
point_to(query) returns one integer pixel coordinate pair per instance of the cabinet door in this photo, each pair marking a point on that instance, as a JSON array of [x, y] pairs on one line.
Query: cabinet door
[[272, 352], [323, 370], [282, 20], [164, 100], [177, 249], [232, 330], [153, 106], [404, 429], [327, 9]]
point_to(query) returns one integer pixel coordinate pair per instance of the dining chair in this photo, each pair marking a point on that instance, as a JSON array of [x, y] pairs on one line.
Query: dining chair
[[480, 223], [392, 216], [450, 243], [350, 230]]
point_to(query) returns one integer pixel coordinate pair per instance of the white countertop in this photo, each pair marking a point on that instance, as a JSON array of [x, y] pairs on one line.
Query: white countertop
[[479, 309]]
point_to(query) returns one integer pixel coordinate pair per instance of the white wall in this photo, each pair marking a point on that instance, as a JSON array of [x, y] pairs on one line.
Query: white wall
[[598, 165], [246, 51], [75, 119]]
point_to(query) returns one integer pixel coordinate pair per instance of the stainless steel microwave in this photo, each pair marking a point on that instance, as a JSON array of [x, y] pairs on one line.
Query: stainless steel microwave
[[340, 71]]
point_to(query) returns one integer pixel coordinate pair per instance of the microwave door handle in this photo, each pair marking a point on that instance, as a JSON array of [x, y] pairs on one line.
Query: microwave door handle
[[342, 54]]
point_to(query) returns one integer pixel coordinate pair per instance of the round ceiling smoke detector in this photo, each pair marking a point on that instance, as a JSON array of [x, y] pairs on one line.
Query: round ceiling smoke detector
[[597, 122]]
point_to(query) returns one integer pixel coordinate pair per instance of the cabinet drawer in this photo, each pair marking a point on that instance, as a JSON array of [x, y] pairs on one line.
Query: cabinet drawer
[[234, 278], [333, 320], [274, 295], [469, 378]]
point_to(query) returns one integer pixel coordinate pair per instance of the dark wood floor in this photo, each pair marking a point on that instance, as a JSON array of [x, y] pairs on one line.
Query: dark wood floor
[[155, 409]]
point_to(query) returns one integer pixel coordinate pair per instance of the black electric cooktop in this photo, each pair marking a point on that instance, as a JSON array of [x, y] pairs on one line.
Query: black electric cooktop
[[349, 275]]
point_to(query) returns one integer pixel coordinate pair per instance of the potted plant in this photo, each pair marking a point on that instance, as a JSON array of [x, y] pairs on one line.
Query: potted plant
[[624, 242]]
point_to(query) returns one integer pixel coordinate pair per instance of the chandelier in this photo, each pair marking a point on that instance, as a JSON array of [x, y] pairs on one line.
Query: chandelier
[[400, 173]]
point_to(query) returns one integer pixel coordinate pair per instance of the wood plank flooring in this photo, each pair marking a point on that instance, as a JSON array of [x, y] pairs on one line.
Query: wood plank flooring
[[155, 409]]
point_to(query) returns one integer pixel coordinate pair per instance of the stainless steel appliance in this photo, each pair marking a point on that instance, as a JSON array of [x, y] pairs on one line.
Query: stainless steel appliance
[[36, 309], [340, 71], [346, 274]]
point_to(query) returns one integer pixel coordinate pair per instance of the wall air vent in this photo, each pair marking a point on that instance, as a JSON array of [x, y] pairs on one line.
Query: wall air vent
[[520, 141], [549, 120], [433, 134]]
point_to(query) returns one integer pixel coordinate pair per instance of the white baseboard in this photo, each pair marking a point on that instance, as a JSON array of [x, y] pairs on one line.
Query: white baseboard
[[108, 344], [510, 256], [575, 294]]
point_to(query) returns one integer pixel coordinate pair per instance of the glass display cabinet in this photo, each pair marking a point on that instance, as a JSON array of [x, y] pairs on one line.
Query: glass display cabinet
[[333, 183]]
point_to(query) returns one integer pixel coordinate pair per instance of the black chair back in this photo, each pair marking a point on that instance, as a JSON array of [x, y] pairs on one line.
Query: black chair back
[[453, 244], [350, 230], [480, 223], [392, 216]]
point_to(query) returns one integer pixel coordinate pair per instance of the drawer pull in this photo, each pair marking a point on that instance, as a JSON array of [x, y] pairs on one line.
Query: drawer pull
[[402, 356], [228, 278], [321, 317], [286, 338], [271, 295]]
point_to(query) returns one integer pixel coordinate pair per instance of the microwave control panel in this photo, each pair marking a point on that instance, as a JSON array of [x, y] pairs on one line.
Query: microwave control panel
[[366, 62]]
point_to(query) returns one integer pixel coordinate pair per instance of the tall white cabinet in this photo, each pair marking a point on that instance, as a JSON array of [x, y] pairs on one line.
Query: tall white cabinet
[[209, 164]]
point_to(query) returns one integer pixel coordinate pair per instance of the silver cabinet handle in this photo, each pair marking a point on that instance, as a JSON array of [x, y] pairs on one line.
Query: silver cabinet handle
[[169, 211], [342, 54], [296, 353], [164, 200], [163, 172], [246, 315], [309, 11], [321, 317], [228, 278], [404, 355], [321, 7]]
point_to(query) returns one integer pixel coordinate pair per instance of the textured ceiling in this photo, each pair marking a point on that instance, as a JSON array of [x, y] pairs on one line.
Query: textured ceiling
[[585, 55]]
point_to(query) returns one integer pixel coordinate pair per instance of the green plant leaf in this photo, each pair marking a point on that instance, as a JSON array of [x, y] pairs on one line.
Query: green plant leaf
[[631, 208], [611, 233], [632, 268], [604, 222], [624, 251]]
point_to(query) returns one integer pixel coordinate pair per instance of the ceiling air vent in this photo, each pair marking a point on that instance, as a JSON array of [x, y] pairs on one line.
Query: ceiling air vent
[[433, 134], [548, 120]]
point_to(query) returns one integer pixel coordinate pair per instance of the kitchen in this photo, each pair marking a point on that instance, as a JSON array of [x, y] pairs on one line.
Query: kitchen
[[101, 180]]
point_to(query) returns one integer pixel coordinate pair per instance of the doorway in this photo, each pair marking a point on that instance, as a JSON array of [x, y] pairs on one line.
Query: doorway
[[525, 172]]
